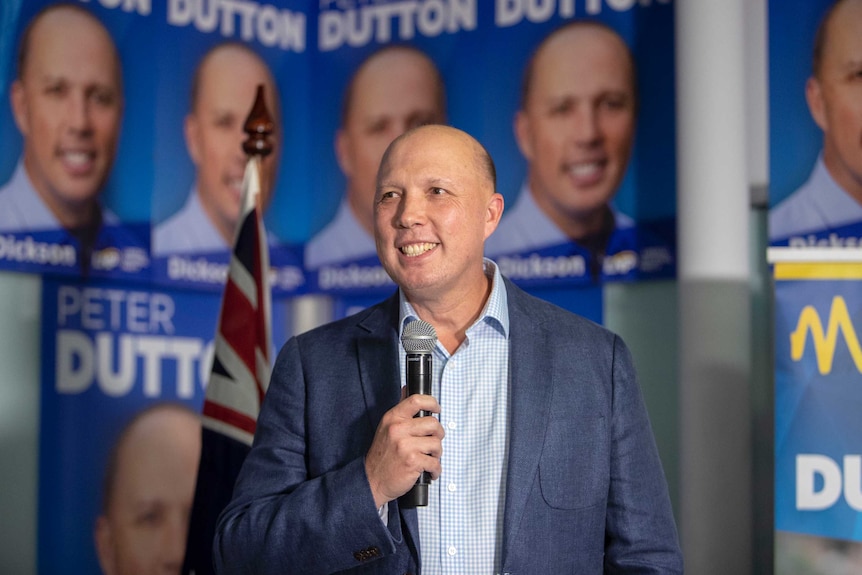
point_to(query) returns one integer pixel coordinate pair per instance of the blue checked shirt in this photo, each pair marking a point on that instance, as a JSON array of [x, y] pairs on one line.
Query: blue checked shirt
[[461, 528]]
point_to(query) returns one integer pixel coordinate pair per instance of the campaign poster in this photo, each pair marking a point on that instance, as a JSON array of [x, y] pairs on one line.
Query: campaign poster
[[116, 170], [110, 351], [75, 145], [818, 432], [476, 53], [814, 122], [212, 58]]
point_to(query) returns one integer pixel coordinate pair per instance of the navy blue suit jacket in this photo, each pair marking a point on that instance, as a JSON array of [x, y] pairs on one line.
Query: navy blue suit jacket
[[585, 489]]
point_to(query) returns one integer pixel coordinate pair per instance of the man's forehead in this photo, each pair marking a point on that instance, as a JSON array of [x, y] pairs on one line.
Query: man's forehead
[[66, 27], [387, 99], [224, 66], [599, 54], [844, 30], [69, 35]]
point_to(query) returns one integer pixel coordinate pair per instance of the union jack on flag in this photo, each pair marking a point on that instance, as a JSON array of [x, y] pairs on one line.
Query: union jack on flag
[[239, 377]]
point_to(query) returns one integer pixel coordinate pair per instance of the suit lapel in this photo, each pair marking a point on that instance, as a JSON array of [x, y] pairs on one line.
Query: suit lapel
[[377, 353], [530, 389]]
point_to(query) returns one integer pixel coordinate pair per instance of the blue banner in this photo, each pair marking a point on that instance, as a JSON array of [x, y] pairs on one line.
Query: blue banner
[[110, 350], [818, 432]]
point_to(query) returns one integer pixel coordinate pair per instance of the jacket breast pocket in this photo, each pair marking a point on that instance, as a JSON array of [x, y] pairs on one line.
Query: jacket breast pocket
[[574, 468]]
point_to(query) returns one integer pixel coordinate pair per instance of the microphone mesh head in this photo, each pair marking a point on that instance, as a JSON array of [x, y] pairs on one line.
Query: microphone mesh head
[[418, 336]]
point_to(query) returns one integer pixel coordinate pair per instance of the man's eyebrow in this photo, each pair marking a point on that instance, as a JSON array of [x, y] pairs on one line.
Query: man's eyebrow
[[438, 180], [387, 184]]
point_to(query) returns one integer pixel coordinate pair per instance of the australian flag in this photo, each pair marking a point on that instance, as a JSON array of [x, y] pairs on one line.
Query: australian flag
[[239, 378]]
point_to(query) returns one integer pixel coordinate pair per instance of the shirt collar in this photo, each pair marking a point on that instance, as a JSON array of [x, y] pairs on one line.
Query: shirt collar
[[495, 312]]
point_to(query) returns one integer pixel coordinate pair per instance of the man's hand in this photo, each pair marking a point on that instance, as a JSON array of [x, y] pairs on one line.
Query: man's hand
[[404, 447]]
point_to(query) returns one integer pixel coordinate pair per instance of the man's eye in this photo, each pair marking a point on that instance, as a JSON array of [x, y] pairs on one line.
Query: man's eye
[[417, 120], [378, 127], [150, 517], [225, 122], [561, 108], [438, 191], [104, 98], [613, 103], [57, 89]]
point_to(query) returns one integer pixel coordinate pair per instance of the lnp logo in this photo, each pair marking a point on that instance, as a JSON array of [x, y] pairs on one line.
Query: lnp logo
[[824, 343]]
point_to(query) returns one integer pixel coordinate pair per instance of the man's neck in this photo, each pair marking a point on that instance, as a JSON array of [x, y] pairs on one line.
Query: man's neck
[[453, 314], [72, 216], [844, 177], [574, 226]]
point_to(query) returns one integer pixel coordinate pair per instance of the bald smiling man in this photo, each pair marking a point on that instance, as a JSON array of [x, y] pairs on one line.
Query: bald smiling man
[[67, 102], [223, 91], [576, 128], [541, 454]]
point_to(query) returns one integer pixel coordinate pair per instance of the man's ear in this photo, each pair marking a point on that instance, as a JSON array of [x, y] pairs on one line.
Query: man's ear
[[192, 132], [814, 97], [20, 112], [493, 213], [342, 152], [523, 134], [104, 545]]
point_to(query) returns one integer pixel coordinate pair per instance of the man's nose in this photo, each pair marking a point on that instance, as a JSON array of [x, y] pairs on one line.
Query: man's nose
[[79, 113], [411, 210], [585, 127], [173, 543]]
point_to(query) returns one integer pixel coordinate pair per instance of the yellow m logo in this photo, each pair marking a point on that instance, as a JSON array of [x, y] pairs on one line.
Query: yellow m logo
[[824, 344]]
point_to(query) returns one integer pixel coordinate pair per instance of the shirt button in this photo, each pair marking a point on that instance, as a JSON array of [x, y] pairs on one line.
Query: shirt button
[[451, 487], [452, 550], [452, 425]]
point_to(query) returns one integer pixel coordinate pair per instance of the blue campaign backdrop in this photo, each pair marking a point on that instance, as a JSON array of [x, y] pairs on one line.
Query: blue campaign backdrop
[[480, 48], [90, 389]]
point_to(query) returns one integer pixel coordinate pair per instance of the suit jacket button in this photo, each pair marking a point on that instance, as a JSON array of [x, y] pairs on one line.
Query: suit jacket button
[[366, 554]]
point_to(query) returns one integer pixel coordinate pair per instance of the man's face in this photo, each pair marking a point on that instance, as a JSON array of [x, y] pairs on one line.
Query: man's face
[[396, 91], [68, 106], [835, 97], [433, 210], [144, 530], [214, 133], [577, 126]]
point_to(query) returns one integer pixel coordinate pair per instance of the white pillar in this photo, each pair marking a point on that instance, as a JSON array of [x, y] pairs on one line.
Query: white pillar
[[714, 271]]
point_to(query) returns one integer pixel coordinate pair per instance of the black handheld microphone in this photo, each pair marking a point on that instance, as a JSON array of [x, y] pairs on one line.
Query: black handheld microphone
[[418, 338]]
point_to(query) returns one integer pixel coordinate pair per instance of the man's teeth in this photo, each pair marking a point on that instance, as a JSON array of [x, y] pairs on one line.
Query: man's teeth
[[583, 170], [76, 158], [417, 249]]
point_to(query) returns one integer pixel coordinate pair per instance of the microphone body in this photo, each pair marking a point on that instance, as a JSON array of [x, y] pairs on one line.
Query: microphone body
[[419, 339]]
